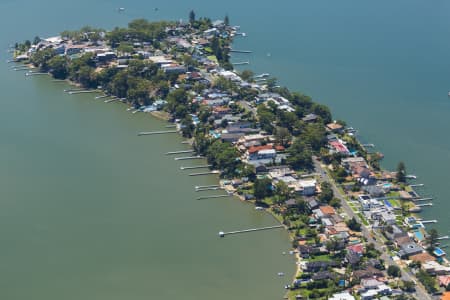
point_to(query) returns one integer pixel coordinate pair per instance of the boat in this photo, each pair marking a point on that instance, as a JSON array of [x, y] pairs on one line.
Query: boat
[[259, 208], [121, 9], [280, 274]]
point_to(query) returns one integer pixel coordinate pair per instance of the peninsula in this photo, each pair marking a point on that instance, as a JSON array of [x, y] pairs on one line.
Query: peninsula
[[352, 223]]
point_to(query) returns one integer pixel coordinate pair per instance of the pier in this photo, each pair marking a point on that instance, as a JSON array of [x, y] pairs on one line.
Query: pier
[[205, 186], [156, 132], [214, 196], [368, 145], [83, 92], [428, 221], [240, 51], [179, 152], [171, 126], [445, 237], [110, 100], [195, 167], [417, 185], [422, 199], [223, 234], [205, 173], [411, 176], [424, 204], [209, 189], [102, 96], [35, 73], [189, 157], [241, 63]]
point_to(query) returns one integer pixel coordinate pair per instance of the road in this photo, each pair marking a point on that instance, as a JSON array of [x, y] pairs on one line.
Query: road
[[420, 292]]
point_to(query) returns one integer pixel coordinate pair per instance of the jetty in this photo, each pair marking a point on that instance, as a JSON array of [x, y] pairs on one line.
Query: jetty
[[214, 196], [411, 176], [102, 96], [179, 152], [368, 145], [209, 189], [240, 51], [171, 126], [83, 92], [241, 63], [205, 186], [195, 167], [422, 199], [424, 204], [428, 221], [156, 132], [185, 142], [417, 185], [205, 173], [35, 73], [189, 157], [445, 237], [261, 75], [223, 234]]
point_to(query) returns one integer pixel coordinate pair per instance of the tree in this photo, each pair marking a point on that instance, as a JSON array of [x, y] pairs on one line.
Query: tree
[[247, 75], [36, 40], [327, 192], [353, 224], [432, 239], [226, 20], [187, 127], [282, 136], [401, 172], [191, 17], [282, 190], [262, 188], [300, 156], [58, 67], [394, 271]]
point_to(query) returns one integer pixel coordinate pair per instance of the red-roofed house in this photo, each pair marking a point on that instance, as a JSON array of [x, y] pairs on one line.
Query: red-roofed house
[[358, 248], [327, 210]]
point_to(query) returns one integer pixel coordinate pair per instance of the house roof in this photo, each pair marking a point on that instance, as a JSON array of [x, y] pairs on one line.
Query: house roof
[[327, 210], [444, 280], [422, 257], [334, 126], [446, 296], [358, 248]]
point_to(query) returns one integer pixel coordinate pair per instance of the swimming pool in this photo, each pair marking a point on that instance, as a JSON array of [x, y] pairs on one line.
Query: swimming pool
[[387, 203], [438, 252], [419, 236]]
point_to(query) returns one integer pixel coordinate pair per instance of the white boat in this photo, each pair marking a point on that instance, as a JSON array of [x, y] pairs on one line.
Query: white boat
[[121, 9], [259, 208], [280, 274]]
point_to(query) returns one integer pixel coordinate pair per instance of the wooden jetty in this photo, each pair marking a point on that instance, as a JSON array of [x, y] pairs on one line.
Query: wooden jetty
[[214, 196], [156, 132], [209, 189], [185, 142], [102, 96], [171, 126], [424, 204], [428, 221], [240, 51], [35, 73], [205, 173], [241, 63], [422, 199], [189, 157], [223, 234], [179, 152], [445, 237], [368, 145], [83, 92], [417, 185], [205, 186], [195, 167]]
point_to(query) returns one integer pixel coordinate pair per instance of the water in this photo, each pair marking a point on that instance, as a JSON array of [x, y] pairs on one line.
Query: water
[[88, 210]]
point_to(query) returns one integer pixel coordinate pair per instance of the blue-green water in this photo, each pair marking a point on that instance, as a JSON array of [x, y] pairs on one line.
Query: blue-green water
[[90, 211]]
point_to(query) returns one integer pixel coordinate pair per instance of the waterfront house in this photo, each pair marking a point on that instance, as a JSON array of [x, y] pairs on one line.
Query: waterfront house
[[342, 296], [304, 187], [316, 266], [338, 146], [310, 118], [335, 127], [409, 249], [434, 268]]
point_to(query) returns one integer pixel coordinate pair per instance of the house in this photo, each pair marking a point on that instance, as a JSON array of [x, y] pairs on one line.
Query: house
[[231, 137], [305, 187], [327, 210], [409, 249], [312, 203], [352, 258], [316, 266], [253, 152], [422, 257], [323, 275], [444, 280], [291, 203], [339, 147], [435, 268], [373, 289], [335, 127], [369, 272], [310, 118], [342, 296], [358, 249]]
